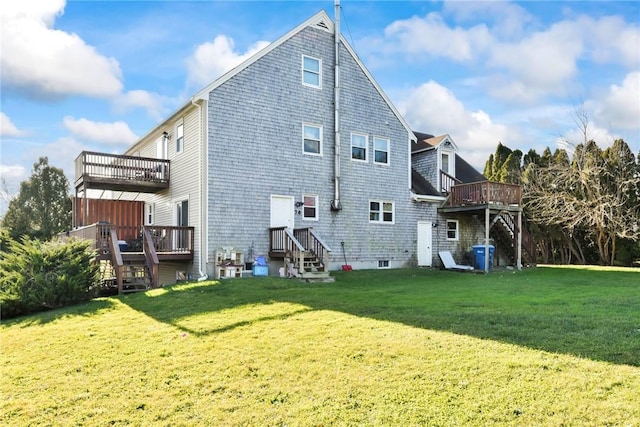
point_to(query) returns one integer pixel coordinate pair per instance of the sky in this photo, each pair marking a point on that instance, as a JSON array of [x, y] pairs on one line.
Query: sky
[[97, 75]]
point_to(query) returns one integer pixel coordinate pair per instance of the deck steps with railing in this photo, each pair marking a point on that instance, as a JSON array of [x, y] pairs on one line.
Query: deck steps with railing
[[305, 255]]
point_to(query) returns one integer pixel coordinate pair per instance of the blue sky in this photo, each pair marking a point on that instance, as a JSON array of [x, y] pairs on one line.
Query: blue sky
[[95, 75]]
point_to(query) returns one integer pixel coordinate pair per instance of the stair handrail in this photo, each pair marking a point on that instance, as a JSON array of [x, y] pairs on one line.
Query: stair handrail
[[320, 249], [150, 256], [116, 257], [295, 249]]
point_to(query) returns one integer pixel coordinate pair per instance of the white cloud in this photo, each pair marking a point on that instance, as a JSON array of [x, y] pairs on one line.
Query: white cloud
[[505, 19], [545, 60], [620, 109], [611, 39], [435, 109], [433, 36], [13, 171], [7, 128], [49, 63], [212, 59], [116, 133], [152, 102]]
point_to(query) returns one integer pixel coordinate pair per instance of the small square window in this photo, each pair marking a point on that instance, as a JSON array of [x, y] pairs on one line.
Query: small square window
[[311, 72], [312, 139], [380, 211], [452, 229], [359, 147], [310, 207], [381, 150], [179, 138], [383, 263]]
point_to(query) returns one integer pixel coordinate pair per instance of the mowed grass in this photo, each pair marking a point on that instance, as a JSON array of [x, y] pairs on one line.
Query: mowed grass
[[546, 346]]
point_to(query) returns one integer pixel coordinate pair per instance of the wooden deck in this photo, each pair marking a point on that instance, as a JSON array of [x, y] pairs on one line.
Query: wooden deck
[[482, 195], [170, 243], [121, 173]]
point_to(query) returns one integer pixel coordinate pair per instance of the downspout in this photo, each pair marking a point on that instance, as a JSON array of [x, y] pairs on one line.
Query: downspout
[[203, 199], [335, 203]]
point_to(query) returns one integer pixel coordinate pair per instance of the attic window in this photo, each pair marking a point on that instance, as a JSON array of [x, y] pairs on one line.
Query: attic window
[[311, 72], [322, 24]]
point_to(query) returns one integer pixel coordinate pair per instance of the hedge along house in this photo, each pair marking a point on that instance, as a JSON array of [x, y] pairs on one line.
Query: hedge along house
[[294, 154]]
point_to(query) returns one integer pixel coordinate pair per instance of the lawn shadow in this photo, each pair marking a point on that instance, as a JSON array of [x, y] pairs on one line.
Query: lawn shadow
[[565, 312], [87, 309]]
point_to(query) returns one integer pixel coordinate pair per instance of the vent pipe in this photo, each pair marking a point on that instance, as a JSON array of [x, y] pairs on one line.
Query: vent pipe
[[335, 203]]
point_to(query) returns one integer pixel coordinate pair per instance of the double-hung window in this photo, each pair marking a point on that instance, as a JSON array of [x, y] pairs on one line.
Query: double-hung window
[[381, 211], [312, 139], [380, 150], [311, 72], [453, 232], [179, 138], [309, 207], [359, 144]]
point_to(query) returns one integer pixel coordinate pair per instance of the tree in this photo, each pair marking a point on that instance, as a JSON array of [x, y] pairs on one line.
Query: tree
[[592, 197], [42, 208]]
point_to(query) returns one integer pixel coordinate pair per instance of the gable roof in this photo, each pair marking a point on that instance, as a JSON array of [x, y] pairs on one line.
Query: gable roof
[[427, 142], [321, 21]]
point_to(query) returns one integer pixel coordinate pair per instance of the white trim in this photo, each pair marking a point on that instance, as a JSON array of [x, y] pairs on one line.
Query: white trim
[[388, 151], [320, 17], [382, 211], [424, 198], [366, 147], [179, 125], [312, 125], [315, 196], [446, 229], [319, 85]]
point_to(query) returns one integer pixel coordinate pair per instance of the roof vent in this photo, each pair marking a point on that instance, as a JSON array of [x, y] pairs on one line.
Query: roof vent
[[323, 24]]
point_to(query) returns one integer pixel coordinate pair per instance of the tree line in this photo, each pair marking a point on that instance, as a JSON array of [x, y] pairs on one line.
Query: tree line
[[582, 202]]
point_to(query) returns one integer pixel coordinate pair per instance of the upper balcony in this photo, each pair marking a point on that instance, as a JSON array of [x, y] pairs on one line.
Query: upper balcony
[[484, 194], [121, 173]]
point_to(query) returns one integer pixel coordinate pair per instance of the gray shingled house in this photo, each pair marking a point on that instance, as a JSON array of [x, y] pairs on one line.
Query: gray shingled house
[[293, 156]]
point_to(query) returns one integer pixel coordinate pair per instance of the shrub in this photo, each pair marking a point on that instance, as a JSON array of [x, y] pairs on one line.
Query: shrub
[[37, 276]]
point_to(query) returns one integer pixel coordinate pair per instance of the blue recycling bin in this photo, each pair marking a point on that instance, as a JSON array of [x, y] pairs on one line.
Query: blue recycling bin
[[478, 256]]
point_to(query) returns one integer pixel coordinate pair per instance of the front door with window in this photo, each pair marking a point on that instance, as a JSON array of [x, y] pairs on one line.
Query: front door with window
[[425, 253]]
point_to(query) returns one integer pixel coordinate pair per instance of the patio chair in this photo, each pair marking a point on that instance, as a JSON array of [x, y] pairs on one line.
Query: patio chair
[[450, 264]]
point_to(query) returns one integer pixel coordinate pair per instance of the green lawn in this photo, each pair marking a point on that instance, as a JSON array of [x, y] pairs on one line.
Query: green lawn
[[546, 346]]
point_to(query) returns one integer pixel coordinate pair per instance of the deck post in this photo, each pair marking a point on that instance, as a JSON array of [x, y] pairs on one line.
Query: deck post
[[519, 248], [486, 239]]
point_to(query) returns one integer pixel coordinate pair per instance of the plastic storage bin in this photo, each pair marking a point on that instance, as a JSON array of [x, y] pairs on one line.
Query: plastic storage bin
[[478, 256]]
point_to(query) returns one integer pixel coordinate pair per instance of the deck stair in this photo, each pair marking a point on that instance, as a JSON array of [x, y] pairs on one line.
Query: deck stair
[[503, 229], [305, 256]]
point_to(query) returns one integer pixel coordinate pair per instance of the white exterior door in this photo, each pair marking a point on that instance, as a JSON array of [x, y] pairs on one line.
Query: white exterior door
[[282, 211], [425, 253]]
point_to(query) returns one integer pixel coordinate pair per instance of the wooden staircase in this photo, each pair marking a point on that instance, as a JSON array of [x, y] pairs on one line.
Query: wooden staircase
[[503, 230], [305, 256]]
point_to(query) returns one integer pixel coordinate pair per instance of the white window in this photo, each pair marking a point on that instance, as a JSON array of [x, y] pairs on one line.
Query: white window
[[311, 72], [380, 211], [380, 150], [148, 213], [453, 232], [359, 144], [447, 164], [179, 138], [312, 139], [383, 263], [310, 207]]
